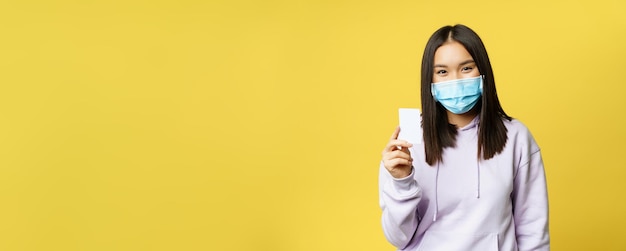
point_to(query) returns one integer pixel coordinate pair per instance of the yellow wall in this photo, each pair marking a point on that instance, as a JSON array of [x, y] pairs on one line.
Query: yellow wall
[[258, 125]]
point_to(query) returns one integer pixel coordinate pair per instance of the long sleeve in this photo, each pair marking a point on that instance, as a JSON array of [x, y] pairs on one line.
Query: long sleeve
[[530, 202], [398, 201]]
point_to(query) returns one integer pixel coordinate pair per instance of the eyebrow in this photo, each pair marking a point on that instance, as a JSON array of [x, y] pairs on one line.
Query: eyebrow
[[462, 63]]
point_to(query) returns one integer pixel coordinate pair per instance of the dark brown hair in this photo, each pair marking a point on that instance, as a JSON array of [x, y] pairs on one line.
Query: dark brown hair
[[438, 132]]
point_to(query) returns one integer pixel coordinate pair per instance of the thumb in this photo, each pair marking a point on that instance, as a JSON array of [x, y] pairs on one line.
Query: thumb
[[395, 133]]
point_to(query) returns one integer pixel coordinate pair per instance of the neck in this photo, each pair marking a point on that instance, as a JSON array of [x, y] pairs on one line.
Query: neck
[[461, 120]]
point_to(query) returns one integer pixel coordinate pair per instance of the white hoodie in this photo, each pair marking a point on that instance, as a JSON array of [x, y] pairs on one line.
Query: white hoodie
[[466, 204]]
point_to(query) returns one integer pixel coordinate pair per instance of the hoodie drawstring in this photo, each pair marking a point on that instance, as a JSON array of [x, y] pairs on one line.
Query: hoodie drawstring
[[437, 188], [478, 183], [436, 193], [437, 183], [478, 166]]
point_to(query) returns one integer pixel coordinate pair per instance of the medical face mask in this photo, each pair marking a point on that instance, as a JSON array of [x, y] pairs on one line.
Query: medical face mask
[[459, 95]]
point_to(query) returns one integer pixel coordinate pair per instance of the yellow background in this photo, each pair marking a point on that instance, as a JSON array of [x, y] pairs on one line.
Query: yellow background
[[258, 125]]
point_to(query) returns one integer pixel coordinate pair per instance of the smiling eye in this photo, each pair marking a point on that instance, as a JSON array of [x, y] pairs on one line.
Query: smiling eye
[[467, 69]]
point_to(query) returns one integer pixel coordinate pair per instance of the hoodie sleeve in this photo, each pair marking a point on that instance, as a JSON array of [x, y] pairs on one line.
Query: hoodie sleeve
[[530, 200], [398, 201]]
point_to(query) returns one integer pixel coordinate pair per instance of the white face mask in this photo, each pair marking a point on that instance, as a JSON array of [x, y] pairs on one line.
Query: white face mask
[[459, 95]]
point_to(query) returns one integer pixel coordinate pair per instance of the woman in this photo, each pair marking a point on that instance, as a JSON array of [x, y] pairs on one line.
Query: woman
[[477, 181]]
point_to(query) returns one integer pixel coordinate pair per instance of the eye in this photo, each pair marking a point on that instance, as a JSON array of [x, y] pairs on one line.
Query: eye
[[467, 69], [441, 72]]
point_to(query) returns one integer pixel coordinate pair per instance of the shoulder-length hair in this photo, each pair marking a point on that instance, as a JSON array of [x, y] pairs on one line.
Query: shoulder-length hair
[[438, 132]]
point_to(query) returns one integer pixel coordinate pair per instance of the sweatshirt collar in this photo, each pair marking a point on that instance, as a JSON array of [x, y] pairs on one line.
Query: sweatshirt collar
[[472, 124]]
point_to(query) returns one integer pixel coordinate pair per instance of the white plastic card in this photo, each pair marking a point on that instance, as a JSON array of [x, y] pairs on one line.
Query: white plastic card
[[410, 125]]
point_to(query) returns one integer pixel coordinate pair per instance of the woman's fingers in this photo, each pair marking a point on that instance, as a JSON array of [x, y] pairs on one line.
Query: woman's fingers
[[398, 154], [395, 143], [398, 162], [397, 159], [395, 133]]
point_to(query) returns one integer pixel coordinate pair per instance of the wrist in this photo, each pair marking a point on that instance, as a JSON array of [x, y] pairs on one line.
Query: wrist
[[403, 173]]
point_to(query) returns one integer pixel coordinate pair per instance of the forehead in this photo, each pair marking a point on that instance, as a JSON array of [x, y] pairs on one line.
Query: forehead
[[451, 53]]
